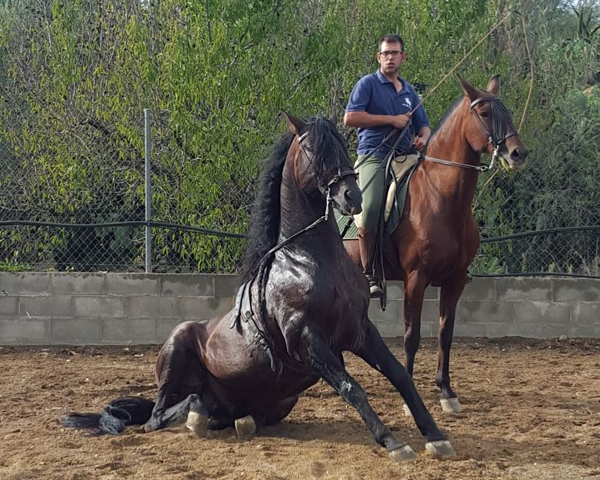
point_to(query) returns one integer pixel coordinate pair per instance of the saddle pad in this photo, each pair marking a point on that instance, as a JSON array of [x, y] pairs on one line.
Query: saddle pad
[[403, 168]]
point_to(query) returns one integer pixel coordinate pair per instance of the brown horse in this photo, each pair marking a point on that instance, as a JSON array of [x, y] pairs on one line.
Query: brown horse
[[302, 303], [437, 237]]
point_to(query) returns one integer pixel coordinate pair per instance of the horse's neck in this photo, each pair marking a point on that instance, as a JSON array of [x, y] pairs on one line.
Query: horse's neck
[[455, 184], [299, 210]]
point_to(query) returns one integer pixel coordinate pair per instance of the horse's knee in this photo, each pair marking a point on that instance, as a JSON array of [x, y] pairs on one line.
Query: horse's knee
[[196, 404], [445, 333], [412, 340], [352, 392]]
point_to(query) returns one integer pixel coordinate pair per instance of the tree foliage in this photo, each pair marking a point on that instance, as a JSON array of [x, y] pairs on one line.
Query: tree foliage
[[76, 76]]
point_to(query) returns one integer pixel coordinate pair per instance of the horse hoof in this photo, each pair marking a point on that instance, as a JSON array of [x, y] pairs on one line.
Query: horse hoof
[[197, 423], [245, 427], [407, 412], [403, 454], [451, 405], [440, 448]]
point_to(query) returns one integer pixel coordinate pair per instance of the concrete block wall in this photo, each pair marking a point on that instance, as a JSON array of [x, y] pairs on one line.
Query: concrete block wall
[[118, 308], [106, 308], [500, 307]]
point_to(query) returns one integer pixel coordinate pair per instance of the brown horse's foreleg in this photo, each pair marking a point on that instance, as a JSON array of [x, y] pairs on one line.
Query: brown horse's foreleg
[[376, 353], [414, 291], [449, 295], [326, 365]]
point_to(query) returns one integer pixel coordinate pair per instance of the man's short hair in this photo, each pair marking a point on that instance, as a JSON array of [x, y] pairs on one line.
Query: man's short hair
[[391, 39]]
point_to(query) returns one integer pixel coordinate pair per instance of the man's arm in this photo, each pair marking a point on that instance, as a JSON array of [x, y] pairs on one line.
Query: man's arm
[[368, 120]]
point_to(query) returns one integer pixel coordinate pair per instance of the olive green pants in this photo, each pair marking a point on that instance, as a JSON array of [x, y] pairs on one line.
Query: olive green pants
[[373, 194]]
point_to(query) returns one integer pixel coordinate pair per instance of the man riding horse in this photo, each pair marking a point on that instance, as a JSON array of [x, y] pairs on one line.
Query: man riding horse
[[380, 103]]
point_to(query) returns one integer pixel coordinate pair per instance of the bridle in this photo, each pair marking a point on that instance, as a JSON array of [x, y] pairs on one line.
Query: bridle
[[499, 112], [340, 175], [496, 136]]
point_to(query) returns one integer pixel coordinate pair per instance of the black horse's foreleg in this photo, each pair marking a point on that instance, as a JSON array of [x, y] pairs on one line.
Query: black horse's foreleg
[[377, 354], [178, 414], [327, 365]]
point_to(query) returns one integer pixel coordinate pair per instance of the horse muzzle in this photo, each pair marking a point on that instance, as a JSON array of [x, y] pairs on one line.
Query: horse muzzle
[[347, 198], [517, 158], [515, 154]]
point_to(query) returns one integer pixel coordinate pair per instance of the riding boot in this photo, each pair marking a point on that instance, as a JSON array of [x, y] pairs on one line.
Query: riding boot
[[367, 242]]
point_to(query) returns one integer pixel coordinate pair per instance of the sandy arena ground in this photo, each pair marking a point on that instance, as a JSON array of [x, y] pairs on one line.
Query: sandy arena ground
[[532, 411]]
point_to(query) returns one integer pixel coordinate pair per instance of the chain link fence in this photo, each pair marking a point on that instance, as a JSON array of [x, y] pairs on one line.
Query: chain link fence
[[78, 204]]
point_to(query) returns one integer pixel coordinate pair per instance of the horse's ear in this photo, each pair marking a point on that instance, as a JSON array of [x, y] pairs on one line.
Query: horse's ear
[[470, 91], [295, 125], [494, 84]]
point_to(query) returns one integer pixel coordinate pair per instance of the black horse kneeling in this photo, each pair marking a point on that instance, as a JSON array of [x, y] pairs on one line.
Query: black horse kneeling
[[303, 303]]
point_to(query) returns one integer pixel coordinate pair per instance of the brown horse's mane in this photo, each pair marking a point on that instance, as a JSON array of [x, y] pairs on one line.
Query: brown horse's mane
[[265, 217], [445, 117]]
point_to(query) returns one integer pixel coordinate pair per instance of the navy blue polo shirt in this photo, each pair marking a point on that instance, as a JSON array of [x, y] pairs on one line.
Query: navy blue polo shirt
[[375, 94]]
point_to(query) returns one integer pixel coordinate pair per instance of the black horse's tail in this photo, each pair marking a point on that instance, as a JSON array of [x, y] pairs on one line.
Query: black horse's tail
[[114, 418]]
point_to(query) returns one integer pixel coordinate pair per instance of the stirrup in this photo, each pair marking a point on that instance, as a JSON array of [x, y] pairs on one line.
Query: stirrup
[[375, 290]]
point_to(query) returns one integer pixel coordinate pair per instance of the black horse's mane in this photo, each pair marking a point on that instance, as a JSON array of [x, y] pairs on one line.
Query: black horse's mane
[[264, 220], [326, 143]]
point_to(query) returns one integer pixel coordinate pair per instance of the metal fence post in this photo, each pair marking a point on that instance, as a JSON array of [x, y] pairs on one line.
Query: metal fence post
[[148, 187]]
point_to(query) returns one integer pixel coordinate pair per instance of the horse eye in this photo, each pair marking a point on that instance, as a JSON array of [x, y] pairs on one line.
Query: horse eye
[[485, 114]]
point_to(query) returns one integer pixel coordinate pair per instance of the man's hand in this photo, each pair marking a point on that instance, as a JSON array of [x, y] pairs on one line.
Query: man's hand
[[421, 139], [419, 143], [400, 121]]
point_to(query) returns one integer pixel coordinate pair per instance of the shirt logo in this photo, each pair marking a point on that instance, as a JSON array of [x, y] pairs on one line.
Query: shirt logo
[[407, 102]]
